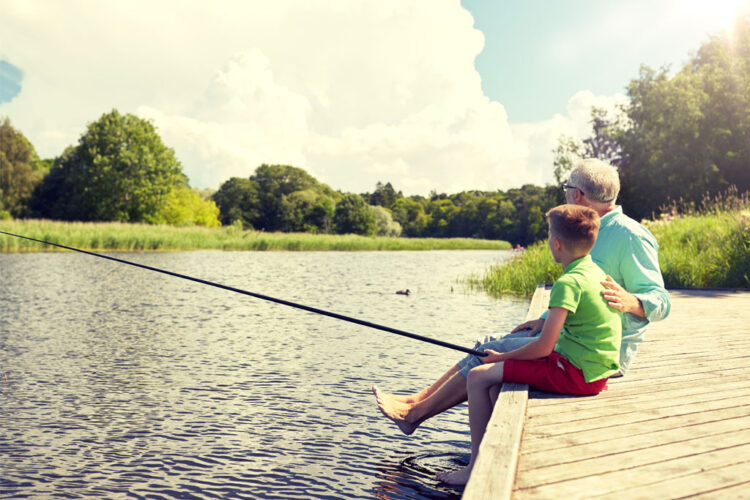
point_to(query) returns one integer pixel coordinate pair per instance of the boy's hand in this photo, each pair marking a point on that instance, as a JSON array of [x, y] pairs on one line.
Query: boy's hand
[[534, 326], [492, 356]]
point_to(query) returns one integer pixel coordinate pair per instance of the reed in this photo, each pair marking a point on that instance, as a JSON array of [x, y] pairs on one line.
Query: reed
[[113, 236], [521, 273], [704, 245], [705, 251]]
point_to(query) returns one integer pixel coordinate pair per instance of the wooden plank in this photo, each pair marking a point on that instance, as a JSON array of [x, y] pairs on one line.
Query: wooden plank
[[716, 483], [623, 479], [675, 426], [495, 467], [623, 444], [539, 441], [630, 459], [572, 413], [642, 418], [738, 492]]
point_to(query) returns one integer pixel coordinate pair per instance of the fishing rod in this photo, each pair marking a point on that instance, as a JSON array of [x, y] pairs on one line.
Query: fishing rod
[[265, 297]]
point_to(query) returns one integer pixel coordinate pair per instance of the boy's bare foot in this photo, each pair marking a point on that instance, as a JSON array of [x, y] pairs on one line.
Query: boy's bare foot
[[395, 410], [456, 478]]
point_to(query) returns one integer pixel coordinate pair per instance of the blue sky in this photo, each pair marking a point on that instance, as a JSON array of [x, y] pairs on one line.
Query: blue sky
[[540, 52], [441, 95]]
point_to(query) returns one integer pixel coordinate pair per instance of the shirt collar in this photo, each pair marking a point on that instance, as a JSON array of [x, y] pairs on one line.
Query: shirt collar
[[606, 218], [578, 262]]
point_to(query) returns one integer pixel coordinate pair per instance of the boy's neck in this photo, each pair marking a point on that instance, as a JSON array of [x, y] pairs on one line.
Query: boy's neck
[[566, 260]]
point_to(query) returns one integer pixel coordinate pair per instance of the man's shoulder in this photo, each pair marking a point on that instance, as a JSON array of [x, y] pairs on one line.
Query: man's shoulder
[[623, 227]]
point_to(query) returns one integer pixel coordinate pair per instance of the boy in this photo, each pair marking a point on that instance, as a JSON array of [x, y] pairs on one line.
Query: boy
[[587, 351]]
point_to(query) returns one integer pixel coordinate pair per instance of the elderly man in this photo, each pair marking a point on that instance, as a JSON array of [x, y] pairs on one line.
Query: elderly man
[[625, 250]]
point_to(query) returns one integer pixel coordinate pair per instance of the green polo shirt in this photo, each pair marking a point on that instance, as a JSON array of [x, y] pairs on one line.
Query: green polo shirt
[[590, 338]]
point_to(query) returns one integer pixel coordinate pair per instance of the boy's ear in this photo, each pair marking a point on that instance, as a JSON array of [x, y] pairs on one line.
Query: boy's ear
[[557, 243]]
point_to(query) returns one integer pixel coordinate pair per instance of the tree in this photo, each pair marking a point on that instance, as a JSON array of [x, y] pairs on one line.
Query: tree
[[20, 170], [384, 195], [411, 215], [186, 207], [276, 183], [384, 222], [119, 171], [353, 216], [602, 144], [238, 199], [689, 134]]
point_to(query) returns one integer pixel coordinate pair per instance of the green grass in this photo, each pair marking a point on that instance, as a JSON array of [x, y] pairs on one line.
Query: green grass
[[521, 274], [705, 251], [704, 247], [114, 236]]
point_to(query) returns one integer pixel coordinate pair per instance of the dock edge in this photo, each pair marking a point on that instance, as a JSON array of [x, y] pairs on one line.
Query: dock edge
[[495, 468]]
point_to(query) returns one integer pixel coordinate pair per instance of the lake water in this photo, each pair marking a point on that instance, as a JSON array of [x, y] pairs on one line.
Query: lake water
[[122, 382]]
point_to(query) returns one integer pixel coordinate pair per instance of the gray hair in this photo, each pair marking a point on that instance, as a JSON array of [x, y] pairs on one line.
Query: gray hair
[[598, 180]]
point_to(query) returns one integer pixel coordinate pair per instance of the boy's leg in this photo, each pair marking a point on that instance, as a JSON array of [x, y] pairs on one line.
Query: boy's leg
[[507, 343], [482, 383], [446, 392], [408, 416], [424, 393]]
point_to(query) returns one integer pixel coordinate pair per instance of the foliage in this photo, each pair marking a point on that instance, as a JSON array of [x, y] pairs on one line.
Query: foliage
[[384, 222], [238, 200], [353, 216], [683, 135], [140, 237], [707, 246], [185, 207], [522, 273], [286, 196], [20, 170], [277, 198], [602, 144], [119, 171], [384, 195]]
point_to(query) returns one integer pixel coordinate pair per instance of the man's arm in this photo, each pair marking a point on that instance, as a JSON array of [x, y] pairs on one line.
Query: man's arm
[[642, 292]]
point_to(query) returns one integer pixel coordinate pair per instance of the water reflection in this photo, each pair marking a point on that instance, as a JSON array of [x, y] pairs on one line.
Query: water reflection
[[122, 381]]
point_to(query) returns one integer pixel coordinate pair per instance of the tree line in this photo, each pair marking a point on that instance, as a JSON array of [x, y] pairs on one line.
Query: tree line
[[120, 170], [679, 137]]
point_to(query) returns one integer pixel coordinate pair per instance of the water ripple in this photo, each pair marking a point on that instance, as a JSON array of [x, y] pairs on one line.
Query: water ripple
[[126, 383]]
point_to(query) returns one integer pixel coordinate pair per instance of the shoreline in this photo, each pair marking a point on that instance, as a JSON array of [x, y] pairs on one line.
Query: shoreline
[[130, 237]]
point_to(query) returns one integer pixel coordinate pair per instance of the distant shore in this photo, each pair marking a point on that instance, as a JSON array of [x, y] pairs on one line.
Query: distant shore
[[124, 237]]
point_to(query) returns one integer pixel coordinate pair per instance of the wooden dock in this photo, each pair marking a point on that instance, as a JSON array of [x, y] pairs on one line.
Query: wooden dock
[[677, 425]]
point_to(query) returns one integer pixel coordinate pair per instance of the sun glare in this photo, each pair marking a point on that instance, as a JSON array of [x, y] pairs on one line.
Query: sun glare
[[717, 15]]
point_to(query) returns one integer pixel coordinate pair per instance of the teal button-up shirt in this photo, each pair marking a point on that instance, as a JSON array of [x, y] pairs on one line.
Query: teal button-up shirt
[[627, 251]]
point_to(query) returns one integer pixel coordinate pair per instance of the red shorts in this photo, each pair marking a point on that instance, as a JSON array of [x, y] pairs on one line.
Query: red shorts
[[552, 374]]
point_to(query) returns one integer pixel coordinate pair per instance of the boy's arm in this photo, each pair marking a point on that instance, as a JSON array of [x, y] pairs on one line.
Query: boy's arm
[[541, 347]]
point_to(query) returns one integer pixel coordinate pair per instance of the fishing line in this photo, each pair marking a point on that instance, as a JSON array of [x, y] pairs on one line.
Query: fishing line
[[265, 297]]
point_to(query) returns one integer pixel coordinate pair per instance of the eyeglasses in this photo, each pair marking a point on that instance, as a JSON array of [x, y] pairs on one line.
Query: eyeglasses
[[565, 186]]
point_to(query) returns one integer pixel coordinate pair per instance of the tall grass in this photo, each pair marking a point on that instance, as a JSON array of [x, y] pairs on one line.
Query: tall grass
[[704, 245], [143, 237], [522, 273], [708, 246]]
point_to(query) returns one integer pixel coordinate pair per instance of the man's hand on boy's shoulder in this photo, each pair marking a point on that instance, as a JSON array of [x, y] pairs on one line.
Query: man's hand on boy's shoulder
[[619, 298], [534, 326]]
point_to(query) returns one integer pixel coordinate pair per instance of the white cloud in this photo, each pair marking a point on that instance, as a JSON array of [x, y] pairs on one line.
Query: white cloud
[[354, 92], [540, 138]]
